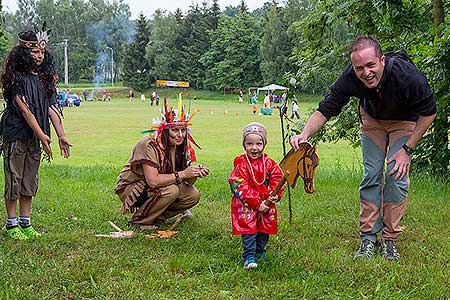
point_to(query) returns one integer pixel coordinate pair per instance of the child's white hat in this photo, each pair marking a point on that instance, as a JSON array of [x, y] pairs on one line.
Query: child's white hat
[[255, 128]]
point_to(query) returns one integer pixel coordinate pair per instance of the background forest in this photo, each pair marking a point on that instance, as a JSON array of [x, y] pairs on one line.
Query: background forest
[[212, 47]]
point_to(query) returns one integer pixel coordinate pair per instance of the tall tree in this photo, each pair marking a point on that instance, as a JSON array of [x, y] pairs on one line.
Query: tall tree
[[163, 50], [5, 39], [276, 47], [432, 54], [214, 15], [233, 58], [136, 69], [194, 32], [243, 7], [26, 9]]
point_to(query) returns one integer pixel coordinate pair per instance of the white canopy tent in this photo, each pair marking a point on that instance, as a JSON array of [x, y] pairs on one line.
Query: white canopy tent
[[272, 87]]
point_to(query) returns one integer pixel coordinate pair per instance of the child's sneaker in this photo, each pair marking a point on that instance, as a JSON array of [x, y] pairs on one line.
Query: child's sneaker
[[30, 232], [262, 257], [251, 263], [14, 233]]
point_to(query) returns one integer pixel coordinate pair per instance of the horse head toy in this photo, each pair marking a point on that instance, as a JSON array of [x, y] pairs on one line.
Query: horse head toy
[[301, 163]]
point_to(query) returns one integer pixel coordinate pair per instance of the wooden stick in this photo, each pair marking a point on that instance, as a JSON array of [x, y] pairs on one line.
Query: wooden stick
[[117, 228], [278, 187], [177, 221]]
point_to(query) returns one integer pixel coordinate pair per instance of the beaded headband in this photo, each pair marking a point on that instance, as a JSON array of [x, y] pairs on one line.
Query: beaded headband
[[42, 38]]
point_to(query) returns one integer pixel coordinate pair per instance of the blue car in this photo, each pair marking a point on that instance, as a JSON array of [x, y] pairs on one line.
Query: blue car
[[72, 99]]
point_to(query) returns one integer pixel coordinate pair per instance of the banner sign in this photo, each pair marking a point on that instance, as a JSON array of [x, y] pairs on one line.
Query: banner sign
[[169, 83]]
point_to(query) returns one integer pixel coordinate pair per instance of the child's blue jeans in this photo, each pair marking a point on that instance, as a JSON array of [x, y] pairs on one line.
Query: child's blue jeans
[[253, 244]]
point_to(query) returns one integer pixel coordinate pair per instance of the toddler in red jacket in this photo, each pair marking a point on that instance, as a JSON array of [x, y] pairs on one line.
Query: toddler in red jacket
[[253, 178]]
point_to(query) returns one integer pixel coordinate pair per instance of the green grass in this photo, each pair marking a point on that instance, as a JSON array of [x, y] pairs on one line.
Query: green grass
[[309, 259]]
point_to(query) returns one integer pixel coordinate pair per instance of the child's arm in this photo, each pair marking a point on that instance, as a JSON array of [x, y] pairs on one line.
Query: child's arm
[[64, 145]]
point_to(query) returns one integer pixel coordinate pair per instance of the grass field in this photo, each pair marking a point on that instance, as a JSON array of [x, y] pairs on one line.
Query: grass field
[[309, 259]]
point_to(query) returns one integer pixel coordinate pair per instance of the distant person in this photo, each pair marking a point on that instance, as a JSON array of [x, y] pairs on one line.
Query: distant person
[[85, 95], [252, 180], [157, 99], [62, 101], [267, 101], [142, 97], [130, 95], [103, 95], [295, 108], [195, 99], [29, 86], [241, 96], [284, 106], [396, 107], [253, 104], [153, 98]]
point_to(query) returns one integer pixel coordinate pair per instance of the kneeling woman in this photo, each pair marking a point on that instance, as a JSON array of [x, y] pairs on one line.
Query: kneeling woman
[[157, 182]]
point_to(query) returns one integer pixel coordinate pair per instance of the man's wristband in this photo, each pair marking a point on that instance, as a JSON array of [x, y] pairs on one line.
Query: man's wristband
[[177, 178], [408, 149]]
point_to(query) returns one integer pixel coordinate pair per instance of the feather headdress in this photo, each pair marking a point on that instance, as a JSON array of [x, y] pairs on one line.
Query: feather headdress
[[172, 118]]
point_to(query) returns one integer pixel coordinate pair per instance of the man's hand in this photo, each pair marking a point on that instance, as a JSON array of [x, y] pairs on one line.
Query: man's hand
[[402, 163], [64, 146], [314, 123], [298, 139]]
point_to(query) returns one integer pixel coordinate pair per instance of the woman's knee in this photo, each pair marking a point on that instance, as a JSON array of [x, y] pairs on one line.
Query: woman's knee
[[195, 196], [170, 191]]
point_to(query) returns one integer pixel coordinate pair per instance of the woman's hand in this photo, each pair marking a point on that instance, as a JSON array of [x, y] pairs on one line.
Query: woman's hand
[[202, 171], [197, 171]]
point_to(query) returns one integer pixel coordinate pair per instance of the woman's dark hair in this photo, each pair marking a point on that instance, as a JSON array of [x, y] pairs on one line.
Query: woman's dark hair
[[19, 60], [180, 154]]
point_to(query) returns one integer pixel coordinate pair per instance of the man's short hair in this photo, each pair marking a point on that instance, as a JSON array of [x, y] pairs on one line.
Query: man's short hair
[[363, 42]]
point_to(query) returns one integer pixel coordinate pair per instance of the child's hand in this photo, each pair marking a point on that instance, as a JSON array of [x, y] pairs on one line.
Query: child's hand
[[263, 208], [273, 199]]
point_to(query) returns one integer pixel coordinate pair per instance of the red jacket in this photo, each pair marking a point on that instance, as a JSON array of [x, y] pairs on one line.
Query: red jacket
[[249, 190]]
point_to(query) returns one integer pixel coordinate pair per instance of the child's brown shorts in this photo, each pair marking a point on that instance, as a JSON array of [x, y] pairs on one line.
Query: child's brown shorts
[[21, 160]]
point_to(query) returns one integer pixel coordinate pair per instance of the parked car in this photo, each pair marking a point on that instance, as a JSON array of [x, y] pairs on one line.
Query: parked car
[[73, 99]]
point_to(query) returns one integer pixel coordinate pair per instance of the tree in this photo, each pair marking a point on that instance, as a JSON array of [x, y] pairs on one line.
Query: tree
[[27, 10], [195, 42], [432, 55], [163, 52], [233, 58], [136, 69], [276, 47]]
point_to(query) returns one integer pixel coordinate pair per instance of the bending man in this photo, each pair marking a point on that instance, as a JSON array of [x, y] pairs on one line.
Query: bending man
[[396, 108]]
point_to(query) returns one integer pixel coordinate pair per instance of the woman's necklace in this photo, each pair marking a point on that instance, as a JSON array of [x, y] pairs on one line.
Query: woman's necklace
[[253, 173]]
